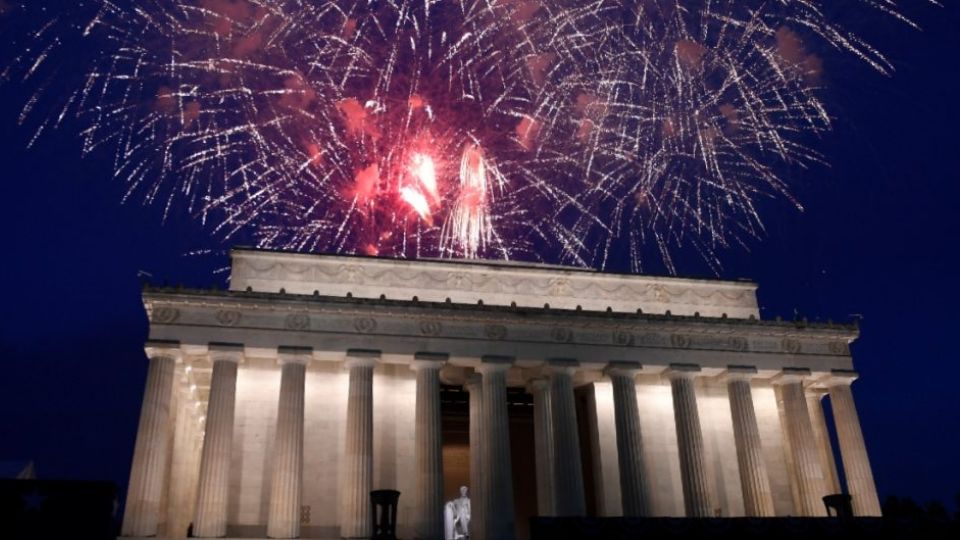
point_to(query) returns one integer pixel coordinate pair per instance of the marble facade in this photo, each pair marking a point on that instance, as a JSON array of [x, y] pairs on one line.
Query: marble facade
[[273, 408]]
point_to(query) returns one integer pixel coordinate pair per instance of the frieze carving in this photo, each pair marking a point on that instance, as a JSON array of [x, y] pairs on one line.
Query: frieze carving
[[495, 331], [738, 343], [228, 317], [622, 338], [352, 274], [562, 334], [839, 347], [297, 321], [430, 328], [165, 315], [365, 325], [681, 341], [651, 339], [791, 346], [457, 280], [560, 287], [527, 284]]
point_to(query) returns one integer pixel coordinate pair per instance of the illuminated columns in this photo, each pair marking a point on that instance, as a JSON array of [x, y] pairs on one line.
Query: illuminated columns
[[568, 493], [474, 386], [634, 487], [429, 447], [757, 498], [543, 444], [819, 422], [853, 450], [697, 500], [150, 458], [286, 487], [803, 444], [211, 520], [355, 521], [496, 484]]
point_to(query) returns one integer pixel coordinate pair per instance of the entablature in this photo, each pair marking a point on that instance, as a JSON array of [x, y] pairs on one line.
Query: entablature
[[402, 328]]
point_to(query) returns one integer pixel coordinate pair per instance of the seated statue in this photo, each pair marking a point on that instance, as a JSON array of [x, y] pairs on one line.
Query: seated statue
[[456, 517]]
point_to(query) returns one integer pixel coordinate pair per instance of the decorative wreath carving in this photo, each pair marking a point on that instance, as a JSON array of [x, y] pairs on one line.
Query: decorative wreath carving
[[364, 325], [297, 321], [430, 328], [681, 341], [495, 331], [165, 315], [562, 334], [791, 346], [839, 347], [738, 343], [622, 338], [228, 317]]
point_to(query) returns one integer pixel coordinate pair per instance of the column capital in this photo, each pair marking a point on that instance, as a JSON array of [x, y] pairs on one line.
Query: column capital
[[791, 375], [473, 383], [428, 360], [681, 371], [622, 369], [738, 373], [840, 377], [361, 358], [556, 366], [537, 384], [294, 355], [494, 364], [226, 352], [163, 348]]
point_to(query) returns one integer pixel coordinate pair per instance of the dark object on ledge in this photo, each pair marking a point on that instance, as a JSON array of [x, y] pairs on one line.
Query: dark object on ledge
[[840, 504], [384, 514]]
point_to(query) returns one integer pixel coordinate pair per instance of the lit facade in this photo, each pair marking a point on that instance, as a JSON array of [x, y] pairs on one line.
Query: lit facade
[[274, 408]]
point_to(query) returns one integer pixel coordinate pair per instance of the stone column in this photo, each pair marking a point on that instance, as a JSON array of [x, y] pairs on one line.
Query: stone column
[[853, 450], [697, 499], [543, 444], [211, 520], [286, 489], [757, 498], [150, 458], [819, 422], [355, 521], [497, 481], [803, 444], [568, 492], [474, 386], [634, 484], [429, 447]]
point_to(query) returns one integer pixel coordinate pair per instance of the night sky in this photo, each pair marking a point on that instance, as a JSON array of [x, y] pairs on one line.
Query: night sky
[[877, 240]]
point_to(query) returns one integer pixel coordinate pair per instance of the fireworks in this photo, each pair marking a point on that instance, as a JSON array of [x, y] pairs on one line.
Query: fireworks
[[562, 130]]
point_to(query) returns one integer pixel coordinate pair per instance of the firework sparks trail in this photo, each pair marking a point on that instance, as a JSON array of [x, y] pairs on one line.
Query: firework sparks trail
[[559, 129]]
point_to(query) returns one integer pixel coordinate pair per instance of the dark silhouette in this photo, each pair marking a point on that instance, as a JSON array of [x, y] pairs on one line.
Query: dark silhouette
[[384, 515], [840, 504]]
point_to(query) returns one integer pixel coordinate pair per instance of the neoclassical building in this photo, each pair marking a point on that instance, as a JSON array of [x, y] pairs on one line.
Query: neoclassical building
[[272, 409]]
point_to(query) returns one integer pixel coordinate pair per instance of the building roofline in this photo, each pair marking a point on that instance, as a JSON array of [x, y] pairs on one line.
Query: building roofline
[[496, 264]]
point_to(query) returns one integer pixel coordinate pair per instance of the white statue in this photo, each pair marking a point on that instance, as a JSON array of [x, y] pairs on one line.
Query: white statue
[[456, 517]]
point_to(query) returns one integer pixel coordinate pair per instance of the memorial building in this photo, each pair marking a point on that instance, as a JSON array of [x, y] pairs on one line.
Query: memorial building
[[274, 408]]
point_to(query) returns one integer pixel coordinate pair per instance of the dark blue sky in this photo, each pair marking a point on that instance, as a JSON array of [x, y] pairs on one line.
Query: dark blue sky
[[879, 238]]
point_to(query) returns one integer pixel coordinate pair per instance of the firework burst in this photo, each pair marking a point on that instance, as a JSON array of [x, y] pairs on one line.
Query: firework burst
[[559, 130]]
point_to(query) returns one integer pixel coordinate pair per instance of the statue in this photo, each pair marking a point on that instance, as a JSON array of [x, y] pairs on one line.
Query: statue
[[456, 517]]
